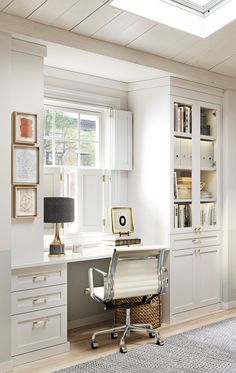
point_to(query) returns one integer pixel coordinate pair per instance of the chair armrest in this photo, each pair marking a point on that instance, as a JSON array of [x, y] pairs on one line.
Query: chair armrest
[[164, 280], [91, 282]]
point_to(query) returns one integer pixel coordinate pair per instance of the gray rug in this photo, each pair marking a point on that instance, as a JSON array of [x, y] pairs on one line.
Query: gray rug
[[208, 349]]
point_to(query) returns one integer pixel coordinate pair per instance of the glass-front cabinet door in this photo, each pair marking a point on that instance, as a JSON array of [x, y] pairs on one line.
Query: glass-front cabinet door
[[195, 165]]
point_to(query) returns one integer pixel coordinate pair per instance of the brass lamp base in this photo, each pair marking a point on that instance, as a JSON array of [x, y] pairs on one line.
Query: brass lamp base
[[56, 250]]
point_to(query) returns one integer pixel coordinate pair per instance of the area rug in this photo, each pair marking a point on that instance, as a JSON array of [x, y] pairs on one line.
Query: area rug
[[210, 349]]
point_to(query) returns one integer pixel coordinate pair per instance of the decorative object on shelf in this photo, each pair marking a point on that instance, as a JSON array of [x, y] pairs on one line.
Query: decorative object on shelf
[[58, 210], [122, 220], [24, 128], [25, 201], [25, 164]]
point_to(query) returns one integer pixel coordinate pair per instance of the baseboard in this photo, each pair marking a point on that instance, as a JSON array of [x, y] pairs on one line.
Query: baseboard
[[6, 366], [40, 354], [108, 315], [229, 305], [193, 314]]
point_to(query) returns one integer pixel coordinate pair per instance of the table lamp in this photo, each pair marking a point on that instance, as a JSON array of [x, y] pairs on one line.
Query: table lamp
[[58, 210]]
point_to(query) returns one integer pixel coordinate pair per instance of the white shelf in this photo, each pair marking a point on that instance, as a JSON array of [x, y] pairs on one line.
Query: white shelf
[[183, 135], [207, 138], [184, 168], [208, 169], [180, 200]]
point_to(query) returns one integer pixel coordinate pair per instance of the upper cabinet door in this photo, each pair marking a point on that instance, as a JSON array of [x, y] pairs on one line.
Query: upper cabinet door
[[121, 140]]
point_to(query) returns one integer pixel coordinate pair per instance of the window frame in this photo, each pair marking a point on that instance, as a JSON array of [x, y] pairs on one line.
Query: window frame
[[79, 111]]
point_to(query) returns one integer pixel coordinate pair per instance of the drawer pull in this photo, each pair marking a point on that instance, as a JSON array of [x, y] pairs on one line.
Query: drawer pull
[[40, 300], [196, 240], [38, 278], [41, 322]]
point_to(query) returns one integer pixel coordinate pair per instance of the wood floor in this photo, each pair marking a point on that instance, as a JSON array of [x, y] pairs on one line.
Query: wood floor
[[80, 343]]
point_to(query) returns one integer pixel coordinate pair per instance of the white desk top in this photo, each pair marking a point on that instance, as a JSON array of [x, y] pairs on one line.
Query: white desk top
[[94, 253]]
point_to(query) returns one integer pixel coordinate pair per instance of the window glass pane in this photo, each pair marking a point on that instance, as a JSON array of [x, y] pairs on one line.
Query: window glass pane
[[48, 122], [48, 158], [66, 125], [89, 125], [66, 153], [88, 154]]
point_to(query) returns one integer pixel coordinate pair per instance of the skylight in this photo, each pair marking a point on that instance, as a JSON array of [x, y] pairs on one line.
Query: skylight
[[198, 17]]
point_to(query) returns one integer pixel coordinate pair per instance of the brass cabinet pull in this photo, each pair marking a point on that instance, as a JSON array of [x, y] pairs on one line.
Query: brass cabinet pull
[[40, 322], [40, 300], [196, 240], [38, 278]]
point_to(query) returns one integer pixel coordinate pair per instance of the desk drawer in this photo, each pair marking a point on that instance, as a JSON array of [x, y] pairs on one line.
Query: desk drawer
[[40, 329], [192, 240], [38, 299], [37, 277]]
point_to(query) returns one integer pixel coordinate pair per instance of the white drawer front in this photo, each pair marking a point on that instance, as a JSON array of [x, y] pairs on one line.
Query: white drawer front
[[38, 299], [192, 240], [40, 329], [37, 277]]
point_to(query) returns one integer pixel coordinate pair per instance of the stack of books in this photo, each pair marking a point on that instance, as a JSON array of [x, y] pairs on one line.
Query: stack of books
[[205, 194], [182, 118], [208, 214], [115, 241], [182, 215]]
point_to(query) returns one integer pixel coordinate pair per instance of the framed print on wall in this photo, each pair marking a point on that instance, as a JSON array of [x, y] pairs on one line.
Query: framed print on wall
[[24, 128], [25, 164], [122, 220], [25, 201]]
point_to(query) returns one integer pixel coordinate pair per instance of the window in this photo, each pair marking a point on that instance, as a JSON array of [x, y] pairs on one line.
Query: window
[[73, 164], [71, 138]]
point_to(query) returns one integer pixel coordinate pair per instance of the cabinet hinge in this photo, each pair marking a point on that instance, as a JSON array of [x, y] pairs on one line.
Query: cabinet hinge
[[103, 178], [61, 176], [103, 222]]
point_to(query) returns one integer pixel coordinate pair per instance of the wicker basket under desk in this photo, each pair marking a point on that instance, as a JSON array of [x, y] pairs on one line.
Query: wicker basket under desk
[[148, 313]]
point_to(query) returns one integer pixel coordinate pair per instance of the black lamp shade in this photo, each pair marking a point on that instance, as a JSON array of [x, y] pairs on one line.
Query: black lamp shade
[[58, 210]]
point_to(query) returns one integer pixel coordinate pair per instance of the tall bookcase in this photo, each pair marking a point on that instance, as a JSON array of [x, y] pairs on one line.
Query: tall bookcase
[[176, 188]]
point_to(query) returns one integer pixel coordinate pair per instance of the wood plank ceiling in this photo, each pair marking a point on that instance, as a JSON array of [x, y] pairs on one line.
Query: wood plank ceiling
[[96, 19]]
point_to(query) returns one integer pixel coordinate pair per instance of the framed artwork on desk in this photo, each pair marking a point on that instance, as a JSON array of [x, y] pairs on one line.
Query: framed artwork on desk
[[25, 165], [122, 220], [24, 128]]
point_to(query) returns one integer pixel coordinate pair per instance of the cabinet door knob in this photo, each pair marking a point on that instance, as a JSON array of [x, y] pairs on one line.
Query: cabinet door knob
[[41, 322], [38, 278]]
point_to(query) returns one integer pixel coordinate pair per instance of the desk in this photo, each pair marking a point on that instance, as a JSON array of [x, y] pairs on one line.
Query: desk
[[39, 303]]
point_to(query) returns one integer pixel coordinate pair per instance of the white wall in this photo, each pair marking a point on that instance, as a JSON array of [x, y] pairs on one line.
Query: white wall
[[27, 92], [5, 200], [229, 199], [149, 182]]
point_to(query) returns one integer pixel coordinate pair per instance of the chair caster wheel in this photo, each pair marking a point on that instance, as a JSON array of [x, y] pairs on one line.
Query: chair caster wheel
[[114, 335], [160, 342], [94, 345], [123, 349], [152, 335]]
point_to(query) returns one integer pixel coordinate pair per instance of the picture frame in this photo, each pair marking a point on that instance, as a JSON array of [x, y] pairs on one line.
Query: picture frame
[[25, 202], [122, 220], [24, 128], [25, 165]]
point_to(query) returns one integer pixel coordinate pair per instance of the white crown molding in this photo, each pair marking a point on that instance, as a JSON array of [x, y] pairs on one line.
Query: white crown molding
[[85, 78], [29, 48], [80, 97], [19, 26]]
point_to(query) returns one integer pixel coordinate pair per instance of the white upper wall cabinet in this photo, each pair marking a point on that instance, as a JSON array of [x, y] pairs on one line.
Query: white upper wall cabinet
[[121, 140]]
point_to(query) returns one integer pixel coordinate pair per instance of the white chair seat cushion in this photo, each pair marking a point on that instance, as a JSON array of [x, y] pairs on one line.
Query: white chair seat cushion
[[99, 292]]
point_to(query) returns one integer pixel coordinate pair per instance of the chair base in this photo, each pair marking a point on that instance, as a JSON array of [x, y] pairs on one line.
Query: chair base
[[126, 329]]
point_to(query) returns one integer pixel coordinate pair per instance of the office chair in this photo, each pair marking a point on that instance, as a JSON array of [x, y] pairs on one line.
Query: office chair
[[133, 272]]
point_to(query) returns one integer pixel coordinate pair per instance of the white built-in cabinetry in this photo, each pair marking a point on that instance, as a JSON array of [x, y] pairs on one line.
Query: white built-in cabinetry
[[38, 312], [176, 188]]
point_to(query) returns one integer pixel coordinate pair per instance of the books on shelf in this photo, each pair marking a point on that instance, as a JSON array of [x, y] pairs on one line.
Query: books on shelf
[[208, 214], [182, 118], [121, 241], [182, 215]]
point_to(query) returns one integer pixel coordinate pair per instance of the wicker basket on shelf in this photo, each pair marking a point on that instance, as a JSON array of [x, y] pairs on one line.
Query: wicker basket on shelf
[[148, 313]]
